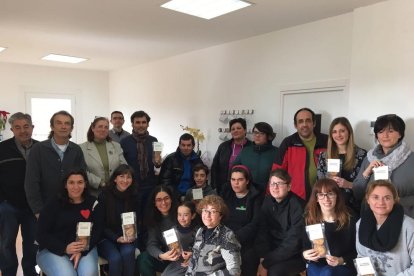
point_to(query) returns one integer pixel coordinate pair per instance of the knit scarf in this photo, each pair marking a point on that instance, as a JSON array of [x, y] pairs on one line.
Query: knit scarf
[[394, 158], [141, 153], [386, 237]]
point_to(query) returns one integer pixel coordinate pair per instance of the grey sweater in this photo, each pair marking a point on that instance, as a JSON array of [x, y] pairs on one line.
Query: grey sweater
[[402, 177], [397, 262]]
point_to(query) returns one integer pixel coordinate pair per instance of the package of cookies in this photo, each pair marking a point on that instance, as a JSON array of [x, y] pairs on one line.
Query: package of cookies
[[156, 154], [316, 234], [364, 266], [129, 226], [171, 239], [83, 233]]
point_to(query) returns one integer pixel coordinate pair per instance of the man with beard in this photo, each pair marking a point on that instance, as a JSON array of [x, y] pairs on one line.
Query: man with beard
[[299, 153], [138, 151]]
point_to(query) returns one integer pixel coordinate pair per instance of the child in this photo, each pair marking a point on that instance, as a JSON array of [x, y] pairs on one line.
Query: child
[[200, 176], [186, 229]]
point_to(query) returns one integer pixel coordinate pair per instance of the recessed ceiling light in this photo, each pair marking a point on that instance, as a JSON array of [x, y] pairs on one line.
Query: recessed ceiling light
[[206, 9], [2, 49], [62, 58]]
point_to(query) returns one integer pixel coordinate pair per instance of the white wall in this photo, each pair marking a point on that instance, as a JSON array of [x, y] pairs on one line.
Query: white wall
[[193, 88], [89, 87], [382, 70]]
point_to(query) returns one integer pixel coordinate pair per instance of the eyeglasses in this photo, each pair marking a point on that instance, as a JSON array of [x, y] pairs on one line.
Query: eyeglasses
[[377, 198], [165, 199], [277, 184], [329, 195], [210, 212]]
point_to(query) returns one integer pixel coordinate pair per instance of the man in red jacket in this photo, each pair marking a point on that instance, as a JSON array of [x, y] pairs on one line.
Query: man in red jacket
[[299, 152]]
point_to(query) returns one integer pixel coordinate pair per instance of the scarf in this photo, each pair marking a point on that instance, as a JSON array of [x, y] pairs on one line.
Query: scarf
[[112, 196], [141, 153], [386, 237], [394, 158]]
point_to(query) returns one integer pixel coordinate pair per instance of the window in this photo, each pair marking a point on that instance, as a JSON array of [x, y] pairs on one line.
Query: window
[[42, 107]]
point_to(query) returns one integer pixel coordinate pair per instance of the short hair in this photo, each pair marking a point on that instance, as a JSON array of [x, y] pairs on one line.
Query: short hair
[[305, 109], [139, 114], [216, 202], [243, 170], [116, 112], [199, 167], [238, 120], [282, 174], [186, 137], [121, 170], [265, 128], [20, 116], [382, 183], [90, 135], [64, 113], [389, 120]]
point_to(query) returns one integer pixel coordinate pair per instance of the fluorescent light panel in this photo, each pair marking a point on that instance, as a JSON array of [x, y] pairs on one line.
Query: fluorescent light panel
[[206, 9], [2, 49], [62, 58]]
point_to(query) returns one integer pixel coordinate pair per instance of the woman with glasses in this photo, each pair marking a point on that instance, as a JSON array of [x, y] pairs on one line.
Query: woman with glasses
[[259, 156], [385, 234], [216, 250], [341, 145], [279, 239], [327, 206], [161, 215], [391, 159], [227, 153], [243, 202], [120, 196], [102, 156]]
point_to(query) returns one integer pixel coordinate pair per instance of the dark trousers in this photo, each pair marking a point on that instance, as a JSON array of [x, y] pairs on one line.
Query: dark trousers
[[10, 220], [287, 268], [148, 265], [120, 257]]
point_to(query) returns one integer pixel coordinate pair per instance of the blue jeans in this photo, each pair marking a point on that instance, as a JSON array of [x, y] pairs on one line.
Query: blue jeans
[[120, 257], [10, 219], [316, 269], [53, 264]]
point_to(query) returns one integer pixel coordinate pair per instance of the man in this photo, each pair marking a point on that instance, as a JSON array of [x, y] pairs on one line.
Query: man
[[14, 209], [278, 241], [138, 152], [117, 121], [299, 152], [176, 170], [50, 161]]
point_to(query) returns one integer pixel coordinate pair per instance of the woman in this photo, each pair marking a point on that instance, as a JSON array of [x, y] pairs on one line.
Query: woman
[[327, 205], [61, 250], [227, 153], [216, 250], [243, 202], [393, 152], [102, 156], [119, 197], [279, 240], [259, 156], [161, 216], [341, 146], [384, 233]]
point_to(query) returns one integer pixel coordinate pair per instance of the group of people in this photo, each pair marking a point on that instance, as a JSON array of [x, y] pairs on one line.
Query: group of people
[[103, 198]]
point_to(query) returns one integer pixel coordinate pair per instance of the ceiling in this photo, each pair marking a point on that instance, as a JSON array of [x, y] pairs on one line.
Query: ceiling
[[115, 34]]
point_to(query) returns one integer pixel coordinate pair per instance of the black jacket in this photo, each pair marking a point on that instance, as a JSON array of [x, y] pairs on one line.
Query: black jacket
[[280, 229], [245, 233], [172, 169], [12, 174], [220, 167]]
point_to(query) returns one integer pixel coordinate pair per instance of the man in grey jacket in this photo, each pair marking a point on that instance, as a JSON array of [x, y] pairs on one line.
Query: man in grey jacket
[[50, 160]]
